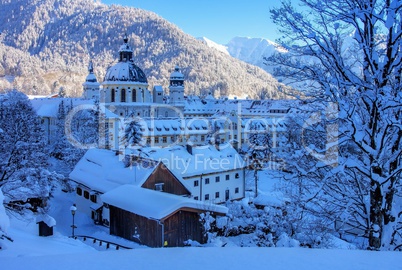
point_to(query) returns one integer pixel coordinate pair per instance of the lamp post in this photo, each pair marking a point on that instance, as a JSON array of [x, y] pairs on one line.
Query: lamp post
[[73, 208]]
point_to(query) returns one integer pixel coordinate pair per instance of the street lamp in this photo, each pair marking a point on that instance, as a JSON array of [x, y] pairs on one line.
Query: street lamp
[[73, 208]]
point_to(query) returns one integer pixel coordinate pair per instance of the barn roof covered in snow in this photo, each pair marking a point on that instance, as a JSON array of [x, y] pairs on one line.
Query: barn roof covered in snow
[[155, 204], [102, 170]]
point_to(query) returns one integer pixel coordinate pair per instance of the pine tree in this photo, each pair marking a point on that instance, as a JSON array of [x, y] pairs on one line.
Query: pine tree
[[76, 127], [259, 143], [132, 132]]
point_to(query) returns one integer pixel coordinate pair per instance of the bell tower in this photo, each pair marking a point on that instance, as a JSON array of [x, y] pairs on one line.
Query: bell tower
[[91, 86], [176, 87]]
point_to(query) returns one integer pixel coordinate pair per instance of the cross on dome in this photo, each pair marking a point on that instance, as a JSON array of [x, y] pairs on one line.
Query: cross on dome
[[90, 67]]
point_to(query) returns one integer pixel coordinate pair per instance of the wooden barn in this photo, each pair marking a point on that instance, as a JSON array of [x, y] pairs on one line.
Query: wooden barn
[[156, 219], [101, 171]]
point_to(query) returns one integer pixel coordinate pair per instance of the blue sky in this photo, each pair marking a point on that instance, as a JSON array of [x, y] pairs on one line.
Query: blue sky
[[218, 20]]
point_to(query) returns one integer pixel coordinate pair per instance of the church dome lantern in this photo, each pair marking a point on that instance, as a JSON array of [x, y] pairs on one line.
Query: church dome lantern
[[125, 51]]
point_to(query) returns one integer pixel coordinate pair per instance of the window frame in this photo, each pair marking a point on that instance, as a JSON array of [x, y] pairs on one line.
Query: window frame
[[86, 194]]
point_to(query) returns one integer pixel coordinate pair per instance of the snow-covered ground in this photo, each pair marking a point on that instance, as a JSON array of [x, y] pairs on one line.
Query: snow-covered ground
[[62, 253], [30, 251]]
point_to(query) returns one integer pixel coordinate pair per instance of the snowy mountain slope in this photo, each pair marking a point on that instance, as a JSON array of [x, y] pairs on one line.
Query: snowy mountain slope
[[62, 36], [249, 50]]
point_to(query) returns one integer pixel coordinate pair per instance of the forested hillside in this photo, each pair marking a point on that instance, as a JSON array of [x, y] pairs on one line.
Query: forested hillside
[[47, 44]]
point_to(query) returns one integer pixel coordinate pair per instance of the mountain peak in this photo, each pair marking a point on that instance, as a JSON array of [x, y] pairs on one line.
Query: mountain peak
[[247, 49], [212, 44]]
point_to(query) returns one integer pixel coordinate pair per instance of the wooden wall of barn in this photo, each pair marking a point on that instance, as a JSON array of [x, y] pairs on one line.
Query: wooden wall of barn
[[170, 183], [179, 227], [182, 226], [126, 224]]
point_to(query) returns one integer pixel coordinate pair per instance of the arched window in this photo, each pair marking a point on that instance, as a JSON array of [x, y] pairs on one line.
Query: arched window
[[123, 95], [134, 95], [112, 96]]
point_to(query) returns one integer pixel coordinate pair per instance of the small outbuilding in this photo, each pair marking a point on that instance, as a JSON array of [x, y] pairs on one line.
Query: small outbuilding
[[45, 224], [156, 218]]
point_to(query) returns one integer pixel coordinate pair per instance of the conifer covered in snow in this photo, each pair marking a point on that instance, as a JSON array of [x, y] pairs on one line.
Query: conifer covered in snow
[[132, 132]]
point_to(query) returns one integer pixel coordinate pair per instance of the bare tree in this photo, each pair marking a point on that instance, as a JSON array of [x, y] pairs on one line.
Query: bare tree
[[348, 52]]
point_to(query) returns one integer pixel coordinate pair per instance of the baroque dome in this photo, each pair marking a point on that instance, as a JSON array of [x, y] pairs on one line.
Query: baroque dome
[[125, 70]]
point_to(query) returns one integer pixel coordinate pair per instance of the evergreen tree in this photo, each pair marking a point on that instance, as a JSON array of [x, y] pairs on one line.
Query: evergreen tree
[[75, 128], [259, 144], [132, 132], [59, 140]]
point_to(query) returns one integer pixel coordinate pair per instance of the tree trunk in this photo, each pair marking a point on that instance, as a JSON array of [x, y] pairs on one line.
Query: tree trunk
[[376, 216], [256, 182]]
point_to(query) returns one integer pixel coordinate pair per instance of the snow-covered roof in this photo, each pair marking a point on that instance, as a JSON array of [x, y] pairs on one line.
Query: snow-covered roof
[[204, 159], [158, 88], [48, 107], [91, 80], [101, 170], [165, 127], [50, 221], [154, 204], [243, 107], [271, 124], [176, 74]]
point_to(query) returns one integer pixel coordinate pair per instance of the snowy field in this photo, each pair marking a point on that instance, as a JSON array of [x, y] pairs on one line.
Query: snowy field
[[63, 253], [30, 251]]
